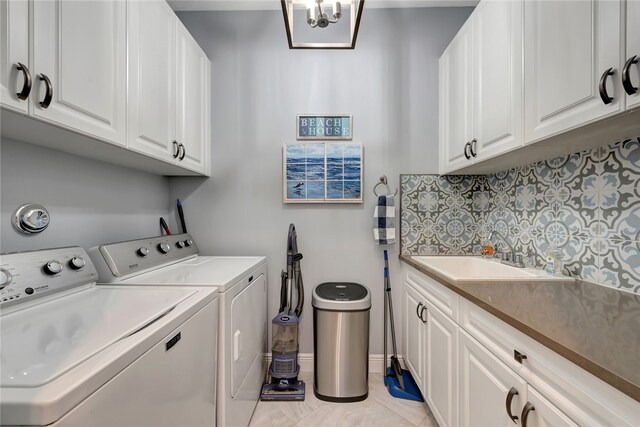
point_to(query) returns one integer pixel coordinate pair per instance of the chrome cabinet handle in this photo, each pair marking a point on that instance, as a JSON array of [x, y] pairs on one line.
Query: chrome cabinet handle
[[176, 149], [626, 78], [603, 86], [466, 147], [26, 86], [184, 152], [49, 94], [418, 312], [525, 413], [512, 392], [424, 308], [472, 147]]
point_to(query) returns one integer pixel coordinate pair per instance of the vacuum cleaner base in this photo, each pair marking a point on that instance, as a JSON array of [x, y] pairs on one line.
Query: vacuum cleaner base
[[283, 391], [411, 390]]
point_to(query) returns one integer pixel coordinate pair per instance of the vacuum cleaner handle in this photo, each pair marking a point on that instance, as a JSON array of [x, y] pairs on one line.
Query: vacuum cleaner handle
[[283, 291]]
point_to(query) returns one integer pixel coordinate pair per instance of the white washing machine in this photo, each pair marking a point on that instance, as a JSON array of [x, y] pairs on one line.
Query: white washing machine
[[74, 354], [173, 261]]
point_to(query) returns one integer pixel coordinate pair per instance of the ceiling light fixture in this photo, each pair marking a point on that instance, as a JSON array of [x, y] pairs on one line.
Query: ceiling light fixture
[[320, 15], [317, 15]]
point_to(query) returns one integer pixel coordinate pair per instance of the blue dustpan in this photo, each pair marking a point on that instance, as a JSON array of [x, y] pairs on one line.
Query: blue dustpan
[[411, 390]]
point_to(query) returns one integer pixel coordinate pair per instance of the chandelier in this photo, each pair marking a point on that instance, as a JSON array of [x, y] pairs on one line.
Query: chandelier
[[317, 15], [344, 17]]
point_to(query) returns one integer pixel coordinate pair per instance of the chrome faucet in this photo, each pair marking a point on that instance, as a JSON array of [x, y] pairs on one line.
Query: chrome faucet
[[510, 258]]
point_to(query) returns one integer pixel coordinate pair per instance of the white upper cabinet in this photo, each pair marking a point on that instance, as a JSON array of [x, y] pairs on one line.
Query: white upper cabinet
[[127, 73], [572, 64], [481, 87], [631, 67], [456, 102], [152, 79], [497, 118], [16, 79], [79, 66], [193, 99]]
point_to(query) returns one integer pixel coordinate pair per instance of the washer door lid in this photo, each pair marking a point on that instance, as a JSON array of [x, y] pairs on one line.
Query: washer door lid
[[41, 343]]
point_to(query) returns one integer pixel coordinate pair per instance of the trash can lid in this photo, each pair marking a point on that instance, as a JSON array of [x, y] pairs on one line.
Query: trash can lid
[[341, 296]]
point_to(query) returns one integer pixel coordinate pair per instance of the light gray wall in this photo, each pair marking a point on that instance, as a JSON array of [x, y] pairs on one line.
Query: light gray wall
[[390, 85], [90, 202]]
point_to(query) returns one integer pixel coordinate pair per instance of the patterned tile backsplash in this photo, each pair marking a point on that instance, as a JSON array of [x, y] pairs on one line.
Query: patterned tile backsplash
[[585, 204]]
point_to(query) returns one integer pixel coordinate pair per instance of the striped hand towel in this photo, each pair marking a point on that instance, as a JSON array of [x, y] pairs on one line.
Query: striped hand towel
[[384, 221]]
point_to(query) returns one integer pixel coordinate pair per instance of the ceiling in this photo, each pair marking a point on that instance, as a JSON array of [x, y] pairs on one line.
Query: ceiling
[[193, 5]]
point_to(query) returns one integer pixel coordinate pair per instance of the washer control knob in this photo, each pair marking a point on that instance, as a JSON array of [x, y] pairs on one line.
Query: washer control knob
[[77, 263], [164, 247], [142, 251], [5, 278], [180, 244], [188, 242], [52, 267]]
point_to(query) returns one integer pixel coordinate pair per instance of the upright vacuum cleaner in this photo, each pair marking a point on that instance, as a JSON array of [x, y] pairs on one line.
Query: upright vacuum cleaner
[[282, 381], [399, 382]]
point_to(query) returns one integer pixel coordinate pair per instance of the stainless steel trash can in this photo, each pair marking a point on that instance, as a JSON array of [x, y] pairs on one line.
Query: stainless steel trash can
[[341, 341]]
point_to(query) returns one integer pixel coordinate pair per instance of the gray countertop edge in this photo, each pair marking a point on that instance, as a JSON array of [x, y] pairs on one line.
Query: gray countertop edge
[[602, 372]]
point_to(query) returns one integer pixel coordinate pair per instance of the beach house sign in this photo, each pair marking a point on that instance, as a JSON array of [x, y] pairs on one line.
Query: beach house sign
[[324, 126]]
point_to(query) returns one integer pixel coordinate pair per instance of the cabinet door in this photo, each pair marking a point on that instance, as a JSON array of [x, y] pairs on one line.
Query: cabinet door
[[633, 49], [193, 127], [569, 46], [456, 101], [14, 49], [442, 367], [152, 78], [80, 47], [414, 331], [497, 50], [539, 412], [485, 383]]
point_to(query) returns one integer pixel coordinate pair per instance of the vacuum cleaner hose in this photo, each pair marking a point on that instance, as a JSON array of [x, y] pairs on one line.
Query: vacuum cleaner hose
[[300, 288]]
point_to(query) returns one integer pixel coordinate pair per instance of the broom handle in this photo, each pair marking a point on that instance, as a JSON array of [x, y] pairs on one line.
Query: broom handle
[[390, 301], [393, 327], [384, 370]]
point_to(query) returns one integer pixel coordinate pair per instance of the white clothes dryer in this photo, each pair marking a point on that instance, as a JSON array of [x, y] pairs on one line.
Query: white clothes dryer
[[174, 261]]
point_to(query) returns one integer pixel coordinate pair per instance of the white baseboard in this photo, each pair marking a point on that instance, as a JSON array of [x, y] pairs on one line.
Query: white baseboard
[[376, 362]]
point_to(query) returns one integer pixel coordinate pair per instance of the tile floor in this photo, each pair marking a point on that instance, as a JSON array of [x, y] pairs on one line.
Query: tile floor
[[379, 409]]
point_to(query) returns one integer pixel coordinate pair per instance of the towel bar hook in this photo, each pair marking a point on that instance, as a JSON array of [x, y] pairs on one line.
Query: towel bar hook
[[383, 181]]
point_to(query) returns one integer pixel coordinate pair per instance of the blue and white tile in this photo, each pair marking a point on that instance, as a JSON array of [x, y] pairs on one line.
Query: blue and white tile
[[620, 265]]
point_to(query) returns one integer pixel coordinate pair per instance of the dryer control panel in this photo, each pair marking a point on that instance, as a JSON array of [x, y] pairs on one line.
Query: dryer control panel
[[115, 261], [26, 276]]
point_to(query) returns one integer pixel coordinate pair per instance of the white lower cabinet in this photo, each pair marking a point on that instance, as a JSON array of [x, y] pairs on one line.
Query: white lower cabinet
[[441, 359], [414, 331], [464, 363], [491, 394], [431, 355], [539, 412]]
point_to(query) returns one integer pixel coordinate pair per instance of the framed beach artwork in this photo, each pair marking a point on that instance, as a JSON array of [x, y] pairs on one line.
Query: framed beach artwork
[[322, 172]]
